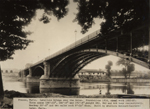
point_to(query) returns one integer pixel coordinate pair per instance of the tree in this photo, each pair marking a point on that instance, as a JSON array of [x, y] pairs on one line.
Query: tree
[[16, 14], [1, 87], [128, 67], [108, 67], [118, 14], [11, 71]]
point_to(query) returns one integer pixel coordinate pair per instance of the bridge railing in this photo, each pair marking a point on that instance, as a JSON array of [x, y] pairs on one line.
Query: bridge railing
[[75, 44]]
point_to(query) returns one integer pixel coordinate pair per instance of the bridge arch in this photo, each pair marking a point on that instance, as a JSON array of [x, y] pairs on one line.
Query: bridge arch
[[66, 63], [38, 71], [73, 63]]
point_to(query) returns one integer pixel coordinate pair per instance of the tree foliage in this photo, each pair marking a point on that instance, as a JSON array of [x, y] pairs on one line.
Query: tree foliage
[[118, 14], [16, 14], [108, 68], [128, 67]]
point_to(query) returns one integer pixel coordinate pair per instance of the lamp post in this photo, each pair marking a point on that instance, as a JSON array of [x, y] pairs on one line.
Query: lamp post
[[49, 51], [75, 36]]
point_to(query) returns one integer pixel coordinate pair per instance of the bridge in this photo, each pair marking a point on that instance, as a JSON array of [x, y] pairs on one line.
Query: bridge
[[59, 70]]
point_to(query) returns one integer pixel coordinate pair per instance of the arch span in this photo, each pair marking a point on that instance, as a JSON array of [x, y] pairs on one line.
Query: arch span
[[38, 71], [73, 63]]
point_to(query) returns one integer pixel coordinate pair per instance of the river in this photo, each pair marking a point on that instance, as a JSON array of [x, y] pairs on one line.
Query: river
[[104, 88]]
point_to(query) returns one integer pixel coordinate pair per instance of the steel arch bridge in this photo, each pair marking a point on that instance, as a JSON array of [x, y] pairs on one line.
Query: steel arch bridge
[[67, 62]]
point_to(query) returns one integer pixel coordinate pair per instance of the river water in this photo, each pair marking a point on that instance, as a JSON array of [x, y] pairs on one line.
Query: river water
[[104, 88]]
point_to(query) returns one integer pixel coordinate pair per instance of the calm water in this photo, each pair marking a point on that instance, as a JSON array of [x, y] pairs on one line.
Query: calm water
[[85, 88]]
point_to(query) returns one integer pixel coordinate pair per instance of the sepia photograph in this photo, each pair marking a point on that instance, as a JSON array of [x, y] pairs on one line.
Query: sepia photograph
[[78, 53]]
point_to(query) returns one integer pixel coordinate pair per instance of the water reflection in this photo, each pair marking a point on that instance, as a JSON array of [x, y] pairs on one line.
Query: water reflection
[[34, 88], [108, 89], [66, 91], [114, 88], [127, 88]]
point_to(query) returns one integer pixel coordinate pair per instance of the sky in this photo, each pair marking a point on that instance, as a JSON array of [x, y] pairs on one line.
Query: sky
[[54, 36]]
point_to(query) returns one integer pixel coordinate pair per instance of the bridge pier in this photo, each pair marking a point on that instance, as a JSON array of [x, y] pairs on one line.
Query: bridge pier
[[47, 83], [23, 76]]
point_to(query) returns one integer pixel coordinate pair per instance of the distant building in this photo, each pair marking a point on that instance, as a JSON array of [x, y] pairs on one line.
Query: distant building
[[87, 75], [114, 73], [92, 72], [9, 70]]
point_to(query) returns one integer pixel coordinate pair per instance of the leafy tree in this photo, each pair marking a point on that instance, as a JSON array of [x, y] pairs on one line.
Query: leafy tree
[[118, 14], [16, 14], [11, 71], [128, 67], [1, 87], [124, 72], [108, 67]]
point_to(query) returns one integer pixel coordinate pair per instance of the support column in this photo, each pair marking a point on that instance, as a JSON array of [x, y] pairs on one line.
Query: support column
[[46, 70], [30, 73]]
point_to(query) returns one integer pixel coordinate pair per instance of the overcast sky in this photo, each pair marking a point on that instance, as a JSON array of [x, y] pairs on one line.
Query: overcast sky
[[51, 37]]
